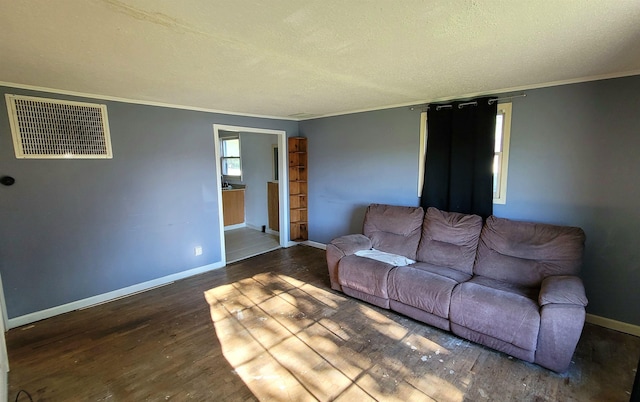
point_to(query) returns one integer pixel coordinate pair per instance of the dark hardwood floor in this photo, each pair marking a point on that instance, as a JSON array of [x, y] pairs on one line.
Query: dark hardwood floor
[[269, 328]]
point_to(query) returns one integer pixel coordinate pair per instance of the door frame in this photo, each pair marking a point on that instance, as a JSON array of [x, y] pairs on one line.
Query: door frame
[[283, 180]]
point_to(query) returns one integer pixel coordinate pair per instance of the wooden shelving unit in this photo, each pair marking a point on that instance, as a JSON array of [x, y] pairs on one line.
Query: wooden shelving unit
[[298, 188]]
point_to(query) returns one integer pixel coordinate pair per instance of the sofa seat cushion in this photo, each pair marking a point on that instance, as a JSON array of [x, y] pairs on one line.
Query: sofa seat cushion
[[504, 311], [364, 275], [422, 289], [442, 271]]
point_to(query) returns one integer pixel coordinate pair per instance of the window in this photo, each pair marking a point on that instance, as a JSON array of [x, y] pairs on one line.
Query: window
[[500, 158], [501, 153], [230, 160]]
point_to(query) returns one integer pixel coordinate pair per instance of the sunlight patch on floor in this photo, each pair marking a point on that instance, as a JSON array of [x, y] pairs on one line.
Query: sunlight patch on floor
[[290, 340]]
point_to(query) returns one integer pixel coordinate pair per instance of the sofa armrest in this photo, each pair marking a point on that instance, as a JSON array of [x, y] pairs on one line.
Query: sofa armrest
[[350, 244], [341, 247], [562, 289], [562, 300]]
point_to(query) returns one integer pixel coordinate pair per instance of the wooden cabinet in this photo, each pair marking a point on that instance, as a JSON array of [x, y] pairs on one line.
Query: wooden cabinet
[[298, 187], [233, 206]]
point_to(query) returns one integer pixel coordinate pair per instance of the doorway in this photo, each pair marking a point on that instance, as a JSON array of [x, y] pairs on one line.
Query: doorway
[[250, 236]]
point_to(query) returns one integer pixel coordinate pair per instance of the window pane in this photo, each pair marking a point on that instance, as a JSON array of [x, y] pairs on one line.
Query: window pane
[[499, 125], [231, 167], [231, 147], [496, 175], [501, 153]]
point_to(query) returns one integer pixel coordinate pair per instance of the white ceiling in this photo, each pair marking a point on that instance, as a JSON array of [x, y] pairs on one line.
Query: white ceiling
[[294, 58]]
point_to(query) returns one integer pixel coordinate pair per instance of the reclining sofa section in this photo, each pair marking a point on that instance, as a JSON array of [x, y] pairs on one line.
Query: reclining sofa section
[[509, 285]]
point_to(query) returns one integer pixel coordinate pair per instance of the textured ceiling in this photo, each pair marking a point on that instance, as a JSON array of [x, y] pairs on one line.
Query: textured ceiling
[[293, 58]]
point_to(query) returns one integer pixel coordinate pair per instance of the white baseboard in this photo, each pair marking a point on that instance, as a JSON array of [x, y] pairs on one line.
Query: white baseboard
[[613, 324], [106, 297], [315, 244], [233, 227], [259, 229], [3, 307]]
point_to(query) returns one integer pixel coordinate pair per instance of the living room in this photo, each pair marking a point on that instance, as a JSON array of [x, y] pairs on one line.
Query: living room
[[78, 232]]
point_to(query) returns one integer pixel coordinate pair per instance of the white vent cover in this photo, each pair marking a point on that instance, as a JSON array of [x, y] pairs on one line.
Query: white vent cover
[[56, 129]]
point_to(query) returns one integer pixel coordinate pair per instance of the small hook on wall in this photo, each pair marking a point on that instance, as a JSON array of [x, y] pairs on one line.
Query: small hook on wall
[[7, 180]]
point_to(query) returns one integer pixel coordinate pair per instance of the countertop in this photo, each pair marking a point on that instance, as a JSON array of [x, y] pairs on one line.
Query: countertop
[[234, 187]]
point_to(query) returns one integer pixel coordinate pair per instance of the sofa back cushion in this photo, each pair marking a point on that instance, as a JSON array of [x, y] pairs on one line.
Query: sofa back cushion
[[449, 239], [525, 253], [394, 229]]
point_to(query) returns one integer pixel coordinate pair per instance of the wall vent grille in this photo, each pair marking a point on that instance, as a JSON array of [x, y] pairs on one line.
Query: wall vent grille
[[56, 129]]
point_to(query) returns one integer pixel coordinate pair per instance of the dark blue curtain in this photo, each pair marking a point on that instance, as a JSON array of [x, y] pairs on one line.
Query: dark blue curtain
[[458, 173]]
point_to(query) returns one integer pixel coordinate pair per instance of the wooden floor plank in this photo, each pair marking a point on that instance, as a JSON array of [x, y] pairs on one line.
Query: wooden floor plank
[[270, 328]]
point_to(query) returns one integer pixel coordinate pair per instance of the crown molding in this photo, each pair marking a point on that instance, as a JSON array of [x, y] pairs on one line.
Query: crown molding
[[302, 118], [496, 92], [137, 101]]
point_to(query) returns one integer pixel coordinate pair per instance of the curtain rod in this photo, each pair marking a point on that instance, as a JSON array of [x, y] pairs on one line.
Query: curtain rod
[[474, 103]]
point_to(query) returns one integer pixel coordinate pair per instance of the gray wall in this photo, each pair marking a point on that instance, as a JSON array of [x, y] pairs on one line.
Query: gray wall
[[257, 160], [355, 160], [574, 160], [73, 229]]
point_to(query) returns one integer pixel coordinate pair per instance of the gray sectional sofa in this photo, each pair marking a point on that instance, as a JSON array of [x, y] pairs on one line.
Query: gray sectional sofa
[[509, 285]]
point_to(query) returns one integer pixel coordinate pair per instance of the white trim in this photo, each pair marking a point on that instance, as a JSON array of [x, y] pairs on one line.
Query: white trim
[[234, 227], [109, 296], [13, 124], [136, 101], [3, 304], [216, 151], [614, 325], [282, 189], [125, 296], [315, 244], [405, 104], [495, 92]]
